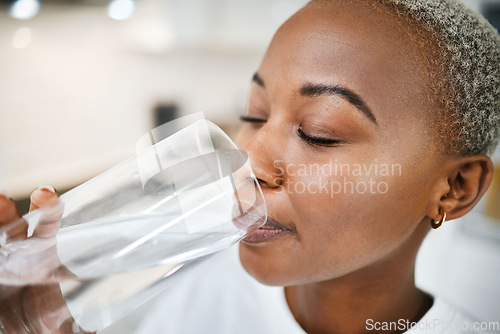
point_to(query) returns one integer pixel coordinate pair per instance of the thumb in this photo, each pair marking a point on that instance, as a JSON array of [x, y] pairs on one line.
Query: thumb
[[41, 196], [46, 200]]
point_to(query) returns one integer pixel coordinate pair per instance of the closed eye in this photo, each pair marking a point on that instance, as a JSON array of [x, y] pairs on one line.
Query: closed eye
[[318, 141], [252, 120]]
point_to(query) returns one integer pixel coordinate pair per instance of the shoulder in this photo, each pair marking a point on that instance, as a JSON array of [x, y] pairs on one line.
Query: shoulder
[[444, 318]]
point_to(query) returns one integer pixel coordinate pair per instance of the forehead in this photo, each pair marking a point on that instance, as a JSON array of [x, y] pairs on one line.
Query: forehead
[[353, 44]]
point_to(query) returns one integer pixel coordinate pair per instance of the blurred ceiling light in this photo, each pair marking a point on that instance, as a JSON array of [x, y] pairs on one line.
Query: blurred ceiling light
[[24, 9], [121, 9], [21, 38]]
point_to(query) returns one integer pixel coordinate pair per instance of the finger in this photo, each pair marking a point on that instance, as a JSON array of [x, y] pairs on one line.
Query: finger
[[42, 196], [46, 199], [50, 220], [11, 227], [8, 210]]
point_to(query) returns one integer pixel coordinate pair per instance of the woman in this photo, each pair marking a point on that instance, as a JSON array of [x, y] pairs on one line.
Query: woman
[[369, 122], [347, 88]]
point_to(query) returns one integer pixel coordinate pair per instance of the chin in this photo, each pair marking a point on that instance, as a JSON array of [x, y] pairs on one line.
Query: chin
[[266, 277], [263, 269]]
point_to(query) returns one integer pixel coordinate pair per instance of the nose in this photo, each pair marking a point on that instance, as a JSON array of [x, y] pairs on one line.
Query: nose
[[264, 153]]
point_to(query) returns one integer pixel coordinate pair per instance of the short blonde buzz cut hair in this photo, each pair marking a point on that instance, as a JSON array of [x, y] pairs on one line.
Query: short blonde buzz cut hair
[[468, 56]]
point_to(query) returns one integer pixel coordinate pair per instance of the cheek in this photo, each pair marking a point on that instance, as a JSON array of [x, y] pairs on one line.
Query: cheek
[[349, 221]]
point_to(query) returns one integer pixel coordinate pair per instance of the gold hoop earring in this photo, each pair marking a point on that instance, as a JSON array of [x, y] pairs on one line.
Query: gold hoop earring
[[438, 224]]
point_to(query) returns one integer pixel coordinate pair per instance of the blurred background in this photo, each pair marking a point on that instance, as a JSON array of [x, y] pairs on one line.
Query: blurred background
[[82, 80]]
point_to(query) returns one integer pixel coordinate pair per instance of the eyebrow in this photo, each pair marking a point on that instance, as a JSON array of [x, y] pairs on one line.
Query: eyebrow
[[315, 90], [312, 90]]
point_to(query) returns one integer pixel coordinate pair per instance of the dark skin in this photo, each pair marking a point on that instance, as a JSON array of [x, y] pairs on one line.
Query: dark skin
[[349, 257]]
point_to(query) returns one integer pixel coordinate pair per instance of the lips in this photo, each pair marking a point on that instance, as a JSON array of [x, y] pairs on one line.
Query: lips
[[271, 230]]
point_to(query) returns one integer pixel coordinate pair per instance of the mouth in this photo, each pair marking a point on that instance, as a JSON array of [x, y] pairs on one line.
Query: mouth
[[271, 230]]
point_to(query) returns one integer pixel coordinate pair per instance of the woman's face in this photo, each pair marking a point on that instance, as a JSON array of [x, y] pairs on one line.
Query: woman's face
[[338, 134]]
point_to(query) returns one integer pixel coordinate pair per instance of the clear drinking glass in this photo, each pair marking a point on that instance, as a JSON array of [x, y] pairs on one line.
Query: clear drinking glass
[[127, 233]]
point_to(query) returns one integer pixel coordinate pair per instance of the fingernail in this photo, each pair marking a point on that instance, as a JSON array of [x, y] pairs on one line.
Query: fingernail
[[48, 188]]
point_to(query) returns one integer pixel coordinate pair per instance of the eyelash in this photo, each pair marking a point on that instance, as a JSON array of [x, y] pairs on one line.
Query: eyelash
[[310, 140], [317, 141], [252, 120]]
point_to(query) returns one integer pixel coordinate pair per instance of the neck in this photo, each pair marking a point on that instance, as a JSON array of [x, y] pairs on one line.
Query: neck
[[382, 292]]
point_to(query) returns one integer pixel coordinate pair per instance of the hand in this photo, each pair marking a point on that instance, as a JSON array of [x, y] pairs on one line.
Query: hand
[[33, 308]]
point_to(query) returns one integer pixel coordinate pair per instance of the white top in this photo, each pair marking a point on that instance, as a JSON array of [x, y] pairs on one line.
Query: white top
[[221, 297]]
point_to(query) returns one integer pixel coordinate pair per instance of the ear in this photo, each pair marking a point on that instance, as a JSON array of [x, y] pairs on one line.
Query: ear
[[468, 178]]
